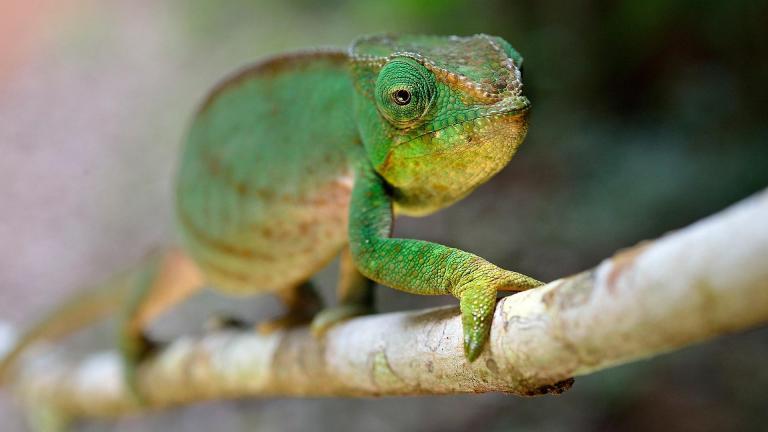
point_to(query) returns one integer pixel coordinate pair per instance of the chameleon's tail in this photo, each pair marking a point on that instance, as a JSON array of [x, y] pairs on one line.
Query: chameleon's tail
[[77, 312], [161, 280]]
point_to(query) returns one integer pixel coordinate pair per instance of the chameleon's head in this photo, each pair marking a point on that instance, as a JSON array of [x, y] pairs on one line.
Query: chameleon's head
[[438, 115]]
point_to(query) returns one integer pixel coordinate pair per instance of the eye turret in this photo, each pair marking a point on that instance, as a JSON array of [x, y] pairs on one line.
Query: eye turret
[[405, 91]]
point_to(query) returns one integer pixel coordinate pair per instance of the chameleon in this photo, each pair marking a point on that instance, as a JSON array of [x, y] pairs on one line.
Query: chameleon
[[308, 156]]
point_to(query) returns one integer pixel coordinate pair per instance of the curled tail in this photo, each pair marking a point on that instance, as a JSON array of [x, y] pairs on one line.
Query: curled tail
[[77, 312]]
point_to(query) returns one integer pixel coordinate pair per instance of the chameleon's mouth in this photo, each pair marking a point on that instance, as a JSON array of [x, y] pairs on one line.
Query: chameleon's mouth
[[492, 131], [508, 107]]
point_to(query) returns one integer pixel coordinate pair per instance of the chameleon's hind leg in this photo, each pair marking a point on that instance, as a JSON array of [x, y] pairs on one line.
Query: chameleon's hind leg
[[302, 302], [163, 280], [354, 293]]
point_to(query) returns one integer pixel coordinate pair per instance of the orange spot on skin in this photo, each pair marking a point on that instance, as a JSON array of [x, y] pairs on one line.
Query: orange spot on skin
[[213, 164], [267, 232], [218, 245], [242, 189]]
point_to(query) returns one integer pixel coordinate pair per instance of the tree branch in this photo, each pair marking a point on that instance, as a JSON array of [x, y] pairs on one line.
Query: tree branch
[[708, 279]]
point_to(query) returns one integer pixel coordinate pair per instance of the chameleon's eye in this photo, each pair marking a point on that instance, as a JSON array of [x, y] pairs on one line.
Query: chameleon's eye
[[404, 92], [401, 97]]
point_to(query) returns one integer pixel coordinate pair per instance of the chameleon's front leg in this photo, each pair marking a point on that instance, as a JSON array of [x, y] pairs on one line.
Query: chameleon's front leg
[[422, 267]]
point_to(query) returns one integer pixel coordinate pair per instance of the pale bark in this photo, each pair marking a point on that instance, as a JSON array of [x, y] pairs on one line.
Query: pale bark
[[708, 279]]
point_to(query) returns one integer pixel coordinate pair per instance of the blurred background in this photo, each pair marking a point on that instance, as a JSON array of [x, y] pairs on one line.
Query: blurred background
[[648, 115]]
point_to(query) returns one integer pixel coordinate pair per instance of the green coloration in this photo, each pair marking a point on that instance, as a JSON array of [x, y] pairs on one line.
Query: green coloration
[[301, 157]]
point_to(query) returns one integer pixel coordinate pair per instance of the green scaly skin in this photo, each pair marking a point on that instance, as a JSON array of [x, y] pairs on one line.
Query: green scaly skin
[[302, 156], [269, 142]]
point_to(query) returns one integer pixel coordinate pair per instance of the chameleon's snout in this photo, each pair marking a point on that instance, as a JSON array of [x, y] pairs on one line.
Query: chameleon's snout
[[515, 104], [440, 168]]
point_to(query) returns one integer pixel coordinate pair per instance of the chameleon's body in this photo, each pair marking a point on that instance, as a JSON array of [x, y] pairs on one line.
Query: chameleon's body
[[267, 208], [301, 157]]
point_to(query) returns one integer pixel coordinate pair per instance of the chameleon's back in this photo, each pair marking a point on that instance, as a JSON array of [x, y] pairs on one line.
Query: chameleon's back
[[265, 177]]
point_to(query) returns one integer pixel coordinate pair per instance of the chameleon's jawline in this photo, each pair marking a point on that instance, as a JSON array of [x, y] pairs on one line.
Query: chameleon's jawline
[[511, 112]]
